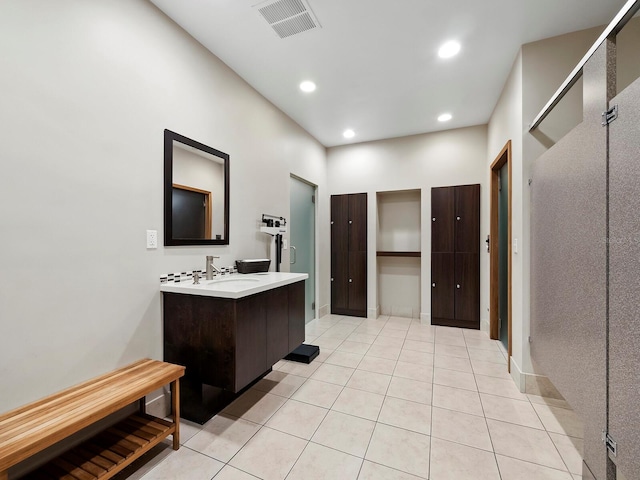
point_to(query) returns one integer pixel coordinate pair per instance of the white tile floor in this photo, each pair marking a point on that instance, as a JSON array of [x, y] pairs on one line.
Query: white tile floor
[[386, 399]]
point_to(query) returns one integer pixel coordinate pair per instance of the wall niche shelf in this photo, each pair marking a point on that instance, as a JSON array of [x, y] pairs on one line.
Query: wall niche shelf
[[398, 252]]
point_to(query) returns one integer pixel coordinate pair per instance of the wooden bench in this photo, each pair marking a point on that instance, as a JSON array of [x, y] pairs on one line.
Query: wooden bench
[[30, 429]]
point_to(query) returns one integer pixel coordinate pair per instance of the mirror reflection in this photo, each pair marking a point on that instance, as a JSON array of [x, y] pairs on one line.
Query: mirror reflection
[[196, 193]]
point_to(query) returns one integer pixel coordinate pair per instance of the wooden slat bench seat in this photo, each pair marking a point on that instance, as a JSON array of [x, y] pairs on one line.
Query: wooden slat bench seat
[[32, 428]]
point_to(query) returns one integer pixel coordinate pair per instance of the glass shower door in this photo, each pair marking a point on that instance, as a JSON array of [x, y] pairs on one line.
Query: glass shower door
[[302, 235]]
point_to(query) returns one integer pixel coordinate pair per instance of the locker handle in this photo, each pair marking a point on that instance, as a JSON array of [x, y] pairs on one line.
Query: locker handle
[[350, 222], [458, 285], [332, 279], [433, 284], [433, 219], [457, 218], [350, 281]]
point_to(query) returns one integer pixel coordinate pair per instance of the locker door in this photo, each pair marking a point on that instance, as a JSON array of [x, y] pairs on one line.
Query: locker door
[[357, 283], [442, 214], [339, 252], [467, 288], [339, 281], [357, 222], [442, 286], [467, 218], [339, 221]]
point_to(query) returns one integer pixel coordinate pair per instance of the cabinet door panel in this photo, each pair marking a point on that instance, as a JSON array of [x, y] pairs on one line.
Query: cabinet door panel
[[277, 324], [339, 223], [216, 349], [467, 215], [358, 222], [296, 315], [357, 282], [442, 228], [339, 280], [467, 292], [442, 285], [251, 331], [181, 329]]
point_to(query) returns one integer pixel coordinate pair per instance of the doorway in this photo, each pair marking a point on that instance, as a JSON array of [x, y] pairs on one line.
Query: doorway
[[191, 212], [302, 237], [500, 250]]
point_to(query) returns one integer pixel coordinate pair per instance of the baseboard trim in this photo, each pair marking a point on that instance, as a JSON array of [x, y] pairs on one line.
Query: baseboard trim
[[484, 326], [373, 313], [425, 318], [517, 375], [532, 383], [323, 310]]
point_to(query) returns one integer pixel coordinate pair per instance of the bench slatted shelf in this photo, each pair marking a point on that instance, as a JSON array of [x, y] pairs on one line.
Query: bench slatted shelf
[[30, 429]]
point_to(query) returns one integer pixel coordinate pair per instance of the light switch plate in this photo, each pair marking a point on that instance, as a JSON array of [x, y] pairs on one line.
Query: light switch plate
[[152, 239]]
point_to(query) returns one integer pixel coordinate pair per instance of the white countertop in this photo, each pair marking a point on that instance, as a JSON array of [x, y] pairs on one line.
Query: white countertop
[[237, 285]]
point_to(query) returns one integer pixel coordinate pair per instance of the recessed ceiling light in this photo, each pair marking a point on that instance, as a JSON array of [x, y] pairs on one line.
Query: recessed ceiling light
[[307, 86], [449, 49], [349, 133], [445, 117]]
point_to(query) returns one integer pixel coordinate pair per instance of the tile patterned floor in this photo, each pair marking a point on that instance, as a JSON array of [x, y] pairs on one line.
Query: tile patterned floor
[[386, 399]]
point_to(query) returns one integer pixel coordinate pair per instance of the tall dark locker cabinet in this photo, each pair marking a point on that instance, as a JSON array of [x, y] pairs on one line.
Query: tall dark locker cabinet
[[349, 254], [455, 256]]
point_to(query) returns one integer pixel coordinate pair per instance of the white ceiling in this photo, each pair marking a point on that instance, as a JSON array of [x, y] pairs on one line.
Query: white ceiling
[[375, 62]]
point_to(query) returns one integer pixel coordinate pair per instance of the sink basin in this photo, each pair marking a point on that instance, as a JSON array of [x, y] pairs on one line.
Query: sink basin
[[236, 281]]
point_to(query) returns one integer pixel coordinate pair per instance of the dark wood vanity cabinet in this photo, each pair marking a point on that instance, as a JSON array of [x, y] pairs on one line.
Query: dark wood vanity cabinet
[[455, 256], [228, 343]]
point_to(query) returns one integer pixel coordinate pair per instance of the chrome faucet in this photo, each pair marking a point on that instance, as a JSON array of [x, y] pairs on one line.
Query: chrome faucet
[[210, 267]]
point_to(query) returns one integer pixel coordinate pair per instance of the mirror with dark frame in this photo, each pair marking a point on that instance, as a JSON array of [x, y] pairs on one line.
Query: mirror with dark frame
[[196, 192]]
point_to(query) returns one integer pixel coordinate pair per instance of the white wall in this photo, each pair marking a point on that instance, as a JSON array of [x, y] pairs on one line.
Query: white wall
[[506, 124], [88, 89], [628, 54], [452, 157], [537, 72]]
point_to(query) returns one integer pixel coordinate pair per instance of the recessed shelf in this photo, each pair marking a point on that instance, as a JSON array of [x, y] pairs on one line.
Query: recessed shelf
[[398, 252]]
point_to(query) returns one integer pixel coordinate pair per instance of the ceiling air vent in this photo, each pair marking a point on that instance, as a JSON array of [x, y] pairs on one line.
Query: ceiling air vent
[[288, 17]]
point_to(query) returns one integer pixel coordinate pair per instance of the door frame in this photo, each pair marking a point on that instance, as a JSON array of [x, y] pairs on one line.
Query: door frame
[[315, 239], [504, 157]]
